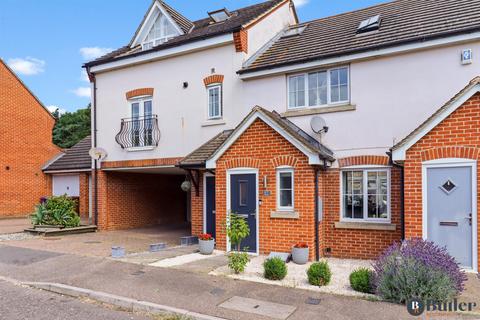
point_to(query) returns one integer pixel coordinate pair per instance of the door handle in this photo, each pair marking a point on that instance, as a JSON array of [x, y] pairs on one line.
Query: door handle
[[253, 214], [214, 212], [469, 218]]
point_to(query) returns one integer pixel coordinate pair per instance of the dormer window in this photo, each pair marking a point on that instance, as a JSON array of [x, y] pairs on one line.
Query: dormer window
[[219, 15], [161, 31], [369, 24]]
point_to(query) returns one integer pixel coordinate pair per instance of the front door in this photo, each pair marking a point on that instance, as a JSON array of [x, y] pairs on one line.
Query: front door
[[210, 205], [449, 211], [243, 201]]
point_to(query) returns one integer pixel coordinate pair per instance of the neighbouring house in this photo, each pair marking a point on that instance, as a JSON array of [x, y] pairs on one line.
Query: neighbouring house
[[308, 130], [70, 173], [25, 146]]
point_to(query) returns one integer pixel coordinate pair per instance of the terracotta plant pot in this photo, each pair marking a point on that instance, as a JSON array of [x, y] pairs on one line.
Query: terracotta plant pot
[[300, 255], [206, 246]]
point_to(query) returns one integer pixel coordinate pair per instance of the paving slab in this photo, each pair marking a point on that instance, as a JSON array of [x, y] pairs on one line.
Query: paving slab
[[260, 307], [14, 225], [184, 259]]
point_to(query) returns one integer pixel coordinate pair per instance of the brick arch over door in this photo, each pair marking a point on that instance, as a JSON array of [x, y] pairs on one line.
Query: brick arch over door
[[461, 152]]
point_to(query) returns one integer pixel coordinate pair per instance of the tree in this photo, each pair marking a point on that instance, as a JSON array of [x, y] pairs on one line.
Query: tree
[[71, 127]]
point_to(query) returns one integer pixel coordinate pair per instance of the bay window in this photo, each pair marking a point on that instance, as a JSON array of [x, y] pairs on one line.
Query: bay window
[[320, 88], [366, 195]]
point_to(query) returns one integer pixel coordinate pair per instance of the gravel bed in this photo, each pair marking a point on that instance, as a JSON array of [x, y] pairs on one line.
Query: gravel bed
[[16, 236]]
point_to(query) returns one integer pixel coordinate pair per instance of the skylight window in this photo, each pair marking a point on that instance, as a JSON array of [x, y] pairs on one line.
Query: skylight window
[[370, 24], [219, 15], [295, 31]]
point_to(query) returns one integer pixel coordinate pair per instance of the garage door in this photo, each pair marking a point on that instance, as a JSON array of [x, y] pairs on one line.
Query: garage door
[[69, 185]]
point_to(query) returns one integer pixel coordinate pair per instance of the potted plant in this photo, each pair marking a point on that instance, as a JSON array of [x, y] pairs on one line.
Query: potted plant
[[206, 243], [300, 253]]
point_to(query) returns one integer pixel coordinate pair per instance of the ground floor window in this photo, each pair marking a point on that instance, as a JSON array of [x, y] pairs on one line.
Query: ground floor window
[[366, 195], [285, 189]]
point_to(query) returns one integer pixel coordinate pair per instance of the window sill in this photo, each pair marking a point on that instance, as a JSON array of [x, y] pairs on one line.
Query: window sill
[[284, 215], [366, 226], [137, 149], [320, 110], [209, 123]]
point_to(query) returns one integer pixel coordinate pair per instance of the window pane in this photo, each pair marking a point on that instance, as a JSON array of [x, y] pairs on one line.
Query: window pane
[[357, 182], [343, 93], [285, 180], [286, 198], [339, 89], [347, 206], [343, 76], [347, 182], [147, 108], [296, 91], [214, 103], [135, 110], [317, 88], [358, 207], [243, 192]]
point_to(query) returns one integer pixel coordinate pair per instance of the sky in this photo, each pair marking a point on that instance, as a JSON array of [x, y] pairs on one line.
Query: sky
[[46, 41]]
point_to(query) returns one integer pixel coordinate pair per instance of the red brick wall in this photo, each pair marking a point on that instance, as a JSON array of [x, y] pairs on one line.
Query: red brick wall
[[197, 208], [131, 200], [263, 148], [25, 146], [354, 243], [241, 40], [84, 196], [458, 136]]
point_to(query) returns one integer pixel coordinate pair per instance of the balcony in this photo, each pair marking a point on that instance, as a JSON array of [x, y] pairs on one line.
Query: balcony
[[139, 133]]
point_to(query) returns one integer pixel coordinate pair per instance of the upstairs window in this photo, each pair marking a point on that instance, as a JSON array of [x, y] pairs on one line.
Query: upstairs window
[[162, 30], [215, 102], [370, 24], [320, 88], [219, 15]]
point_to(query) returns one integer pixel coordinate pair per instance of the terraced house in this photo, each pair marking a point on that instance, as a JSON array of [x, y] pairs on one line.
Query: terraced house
[[347, 132]]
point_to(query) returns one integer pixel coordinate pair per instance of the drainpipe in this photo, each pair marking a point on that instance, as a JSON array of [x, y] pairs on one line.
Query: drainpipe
[[402, 193], [317, 240], [95, 161]]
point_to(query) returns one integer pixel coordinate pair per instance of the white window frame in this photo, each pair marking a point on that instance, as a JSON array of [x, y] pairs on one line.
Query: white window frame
[[365, 171], [329, 97], [220, 97], [146, 45], [290, 170], [141, 101]]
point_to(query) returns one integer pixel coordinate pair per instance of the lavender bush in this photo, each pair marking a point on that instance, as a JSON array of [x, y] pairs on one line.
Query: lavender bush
[[420, 269]]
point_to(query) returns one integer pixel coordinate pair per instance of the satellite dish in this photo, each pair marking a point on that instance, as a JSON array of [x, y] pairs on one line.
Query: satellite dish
[[318, 125], [98, 153]]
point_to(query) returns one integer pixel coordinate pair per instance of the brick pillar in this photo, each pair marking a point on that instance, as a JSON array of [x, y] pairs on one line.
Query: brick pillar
[[197, 207], [84, 192], [102, 202]]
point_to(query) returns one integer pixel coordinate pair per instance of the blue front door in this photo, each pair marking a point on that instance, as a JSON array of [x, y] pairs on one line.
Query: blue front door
[[243, 201], [449, 196], [210, 205]]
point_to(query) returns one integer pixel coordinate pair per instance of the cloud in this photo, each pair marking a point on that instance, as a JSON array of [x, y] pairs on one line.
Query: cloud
[[52, 108], [300, 3], [90, 53], [83, 92], [27, 66]]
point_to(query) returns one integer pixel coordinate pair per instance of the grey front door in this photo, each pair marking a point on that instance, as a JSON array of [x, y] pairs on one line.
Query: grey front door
[[449, 211]]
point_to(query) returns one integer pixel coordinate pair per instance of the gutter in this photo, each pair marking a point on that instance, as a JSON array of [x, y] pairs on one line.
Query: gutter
[[317, 215]]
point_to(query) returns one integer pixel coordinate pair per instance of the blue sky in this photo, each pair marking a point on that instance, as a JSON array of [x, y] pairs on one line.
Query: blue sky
[[47, 41]]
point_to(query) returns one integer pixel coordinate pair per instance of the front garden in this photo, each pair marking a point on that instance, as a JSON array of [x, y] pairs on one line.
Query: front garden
[[411, 269]]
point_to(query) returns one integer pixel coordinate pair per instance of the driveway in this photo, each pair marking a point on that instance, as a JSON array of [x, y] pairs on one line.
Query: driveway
[[99, 244], [14, 225]]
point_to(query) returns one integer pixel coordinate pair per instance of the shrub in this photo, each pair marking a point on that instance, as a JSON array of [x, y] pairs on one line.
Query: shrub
[[361, 280], [319, 274], [57, 211], [237, 229], [274, 269], [237, 261], [417, 269]]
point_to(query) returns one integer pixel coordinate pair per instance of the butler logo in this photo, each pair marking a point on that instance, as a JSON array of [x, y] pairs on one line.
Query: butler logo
[[416, 307]]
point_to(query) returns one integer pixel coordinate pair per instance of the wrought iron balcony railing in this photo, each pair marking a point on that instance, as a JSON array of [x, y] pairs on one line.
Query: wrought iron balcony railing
[[139, 132]]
